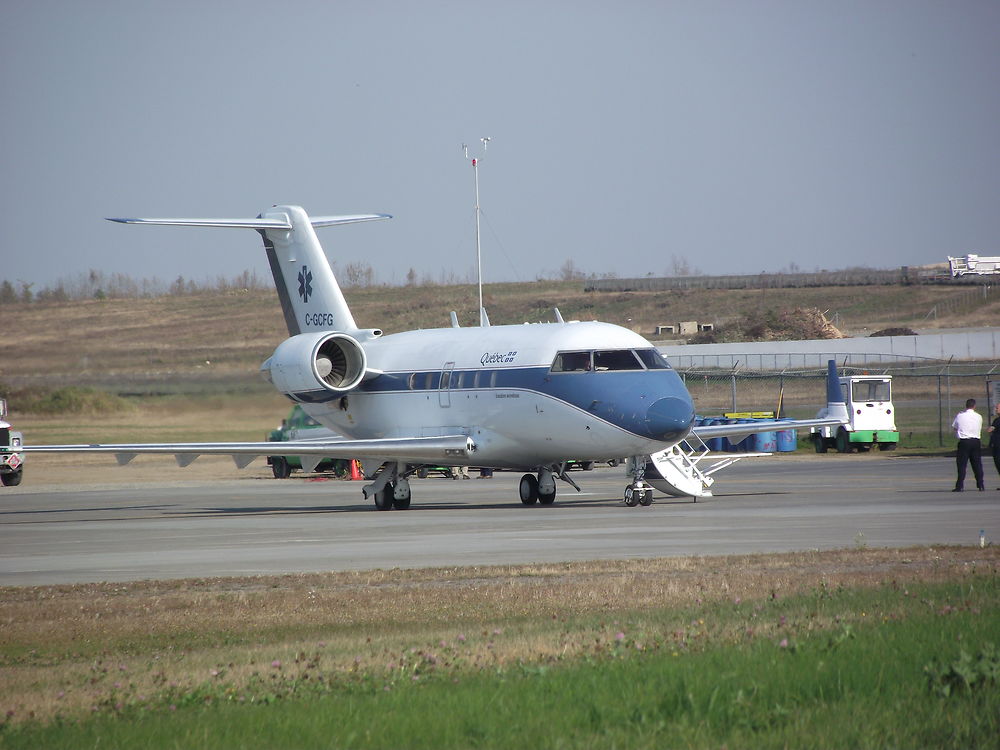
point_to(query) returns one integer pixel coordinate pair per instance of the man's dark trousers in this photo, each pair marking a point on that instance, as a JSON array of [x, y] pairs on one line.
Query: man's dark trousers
[[970, 450]]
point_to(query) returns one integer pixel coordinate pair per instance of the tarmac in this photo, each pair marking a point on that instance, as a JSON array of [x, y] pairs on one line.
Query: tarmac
[[176, 528]]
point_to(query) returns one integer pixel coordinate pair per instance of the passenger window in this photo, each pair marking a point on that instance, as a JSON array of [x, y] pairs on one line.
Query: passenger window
[[475, 378], [430, 380], [458, 379], [493, 379], [571, 362], [616, 359], [445, 380], [652, 359]]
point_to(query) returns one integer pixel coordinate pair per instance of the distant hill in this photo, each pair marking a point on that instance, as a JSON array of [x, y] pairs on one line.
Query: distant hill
[[225, 335]]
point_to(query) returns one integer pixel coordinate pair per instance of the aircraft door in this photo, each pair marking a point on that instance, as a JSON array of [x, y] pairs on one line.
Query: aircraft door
[[444, 391]]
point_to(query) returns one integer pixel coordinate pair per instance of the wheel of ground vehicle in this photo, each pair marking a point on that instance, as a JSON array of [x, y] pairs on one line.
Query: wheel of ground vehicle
[[280, 467], [528, 489], [887, 446], [12, 479], [843, 441], [383, 498], [422, 472], [819, 442]]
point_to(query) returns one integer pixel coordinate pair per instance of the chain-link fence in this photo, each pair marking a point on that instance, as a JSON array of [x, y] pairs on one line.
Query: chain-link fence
[[925, 397]]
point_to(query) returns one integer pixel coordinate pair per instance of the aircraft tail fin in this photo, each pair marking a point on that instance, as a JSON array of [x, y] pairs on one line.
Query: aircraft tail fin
[[836, 406], [310, 296]]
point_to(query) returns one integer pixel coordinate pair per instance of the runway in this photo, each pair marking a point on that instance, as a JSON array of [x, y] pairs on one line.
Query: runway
[[256, 526]]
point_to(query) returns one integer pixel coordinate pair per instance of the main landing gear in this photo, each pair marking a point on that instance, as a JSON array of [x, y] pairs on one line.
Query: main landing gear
[[390, 488], [541, 489]]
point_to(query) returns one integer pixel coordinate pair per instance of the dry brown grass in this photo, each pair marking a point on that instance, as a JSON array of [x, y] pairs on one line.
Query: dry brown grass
[[66, 648], [216, 337]]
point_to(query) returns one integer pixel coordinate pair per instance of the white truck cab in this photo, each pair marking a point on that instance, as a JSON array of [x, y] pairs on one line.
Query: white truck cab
[[870, 413]]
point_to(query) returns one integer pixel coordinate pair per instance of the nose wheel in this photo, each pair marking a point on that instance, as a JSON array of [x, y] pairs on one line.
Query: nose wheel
[[638, 494]]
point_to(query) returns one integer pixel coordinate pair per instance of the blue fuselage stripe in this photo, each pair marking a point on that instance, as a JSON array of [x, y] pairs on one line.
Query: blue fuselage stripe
[[621, 398]]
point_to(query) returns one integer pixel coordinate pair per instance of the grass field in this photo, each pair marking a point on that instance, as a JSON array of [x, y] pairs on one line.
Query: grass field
[[210, 338], [857, 648]]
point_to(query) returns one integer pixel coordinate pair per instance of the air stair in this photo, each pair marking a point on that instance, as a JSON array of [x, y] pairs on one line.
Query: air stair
[[677, 470]]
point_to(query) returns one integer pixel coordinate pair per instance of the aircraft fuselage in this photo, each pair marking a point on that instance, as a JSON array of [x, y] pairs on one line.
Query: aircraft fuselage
[[497, 384]]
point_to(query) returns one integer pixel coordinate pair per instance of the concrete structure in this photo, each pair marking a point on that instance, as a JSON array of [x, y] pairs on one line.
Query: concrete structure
[[979, 345]]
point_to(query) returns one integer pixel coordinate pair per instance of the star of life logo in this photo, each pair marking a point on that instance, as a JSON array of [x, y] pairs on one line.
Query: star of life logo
[[305, 283]]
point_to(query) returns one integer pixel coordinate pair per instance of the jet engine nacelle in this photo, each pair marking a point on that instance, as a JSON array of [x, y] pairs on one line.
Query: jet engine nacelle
[[316, 366]]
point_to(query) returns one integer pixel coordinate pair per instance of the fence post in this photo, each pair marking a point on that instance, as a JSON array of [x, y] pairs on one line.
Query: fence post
[[940, 415]]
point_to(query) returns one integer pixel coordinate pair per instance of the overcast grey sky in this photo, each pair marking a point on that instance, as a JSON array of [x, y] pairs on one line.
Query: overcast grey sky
[[742, 136]]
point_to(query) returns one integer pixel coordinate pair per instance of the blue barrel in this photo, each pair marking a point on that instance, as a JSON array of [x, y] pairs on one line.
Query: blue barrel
[[765, 442], [715, 444], [788, 440], [746, 444], [727, 443]]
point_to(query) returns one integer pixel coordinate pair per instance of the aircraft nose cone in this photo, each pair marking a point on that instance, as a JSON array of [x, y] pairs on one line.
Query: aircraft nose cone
[[669, 418]]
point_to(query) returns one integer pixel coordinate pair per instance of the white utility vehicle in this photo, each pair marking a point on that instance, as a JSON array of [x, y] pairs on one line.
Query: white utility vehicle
[[871, 417]]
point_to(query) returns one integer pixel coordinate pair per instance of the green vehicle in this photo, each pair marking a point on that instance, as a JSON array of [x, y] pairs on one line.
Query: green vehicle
[[300, 426]]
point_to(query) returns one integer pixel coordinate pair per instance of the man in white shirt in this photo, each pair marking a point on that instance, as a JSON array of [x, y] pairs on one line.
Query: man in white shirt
[[968, 426]]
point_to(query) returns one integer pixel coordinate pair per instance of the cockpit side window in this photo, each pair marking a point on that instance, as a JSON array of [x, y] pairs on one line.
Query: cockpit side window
[[616, 359], [652, 359], [572, 362]]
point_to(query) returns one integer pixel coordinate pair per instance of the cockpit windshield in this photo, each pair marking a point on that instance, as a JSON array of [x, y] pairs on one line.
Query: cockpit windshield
[[652, 359], [609, 360], [616, 359]]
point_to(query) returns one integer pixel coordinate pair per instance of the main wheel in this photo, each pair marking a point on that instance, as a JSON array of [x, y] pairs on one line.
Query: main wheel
[[13, 479], [843, 441], [547, 499], [401, 503], [383, 498], [280, 467], [631, 497], [528, 489], [646, 498]]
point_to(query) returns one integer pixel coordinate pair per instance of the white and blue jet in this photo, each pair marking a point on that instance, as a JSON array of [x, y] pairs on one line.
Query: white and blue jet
[[525, 398]]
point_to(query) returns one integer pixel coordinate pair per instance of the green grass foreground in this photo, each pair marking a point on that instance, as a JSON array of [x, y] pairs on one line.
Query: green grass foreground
[[891, 666]]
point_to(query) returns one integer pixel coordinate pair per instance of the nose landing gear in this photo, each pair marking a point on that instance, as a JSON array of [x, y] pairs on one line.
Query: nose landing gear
[[638, 492]]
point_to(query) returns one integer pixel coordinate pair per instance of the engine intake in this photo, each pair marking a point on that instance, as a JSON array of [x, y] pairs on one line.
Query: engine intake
[[316, 366]]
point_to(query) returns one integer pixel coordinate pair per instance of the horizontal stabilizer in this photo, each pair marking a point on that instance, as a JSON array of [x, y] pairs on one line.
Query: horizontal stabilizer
[[272, 223]]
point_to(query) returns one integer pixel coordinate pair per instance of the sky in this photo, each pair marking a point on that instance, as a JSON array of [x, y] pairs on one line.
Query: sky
[[631, 138]]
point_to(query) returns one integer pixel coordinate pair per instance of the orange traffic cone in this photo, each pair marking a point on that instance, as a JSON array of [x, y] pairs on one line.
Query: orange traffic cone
[[355, 469]]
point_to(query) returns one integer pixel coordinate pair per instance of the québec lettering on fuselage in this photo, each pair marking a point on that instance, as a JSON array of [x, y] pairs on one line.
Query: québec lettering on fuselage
[[519, 397]]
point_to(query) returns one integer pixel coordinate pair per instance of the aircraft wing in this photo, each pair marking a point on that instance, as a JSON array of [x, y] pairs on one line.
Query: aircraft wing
[[742, 429], [417, 450]]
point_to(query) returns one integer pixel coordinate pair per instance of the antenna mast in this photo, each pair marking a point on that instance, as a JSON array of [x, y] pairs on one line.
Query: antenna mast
[[479, 255]]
